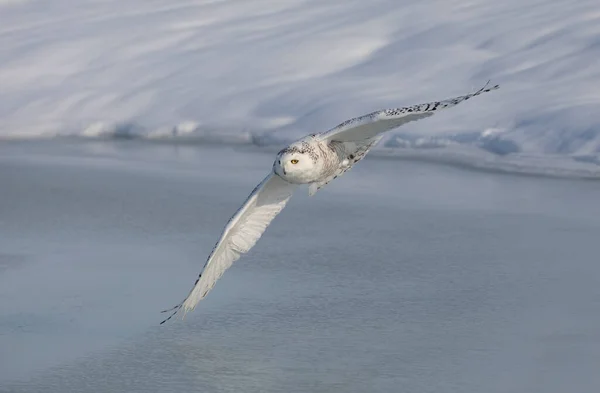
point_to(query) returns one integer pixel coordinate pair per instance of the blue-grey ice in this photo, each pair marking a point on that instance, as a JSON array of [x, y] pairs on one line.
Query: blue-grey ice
[[404, 275]]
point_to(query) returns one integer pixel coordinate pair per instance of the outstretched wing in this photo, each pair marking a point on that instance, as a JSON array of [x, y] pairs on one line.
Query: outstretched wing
[[240, 234], [373, 124]]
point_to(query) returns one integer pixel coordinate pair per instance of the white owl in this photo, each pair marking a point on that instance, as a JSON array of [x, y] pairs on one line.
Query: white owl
[[314, 160]]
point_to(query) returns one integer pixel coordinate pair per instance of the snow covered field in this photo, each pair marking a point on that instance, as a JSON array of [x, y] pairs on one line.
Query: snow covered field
[[264, 71]]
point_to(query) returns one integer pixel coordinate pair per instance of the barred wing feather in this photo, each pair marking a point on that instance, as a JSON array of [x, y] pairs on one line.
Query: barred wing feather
[[375, 123]]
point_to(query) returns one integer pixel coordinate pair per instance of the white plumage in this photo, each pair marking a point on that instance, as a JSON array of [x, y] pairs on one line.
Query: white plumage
[[314, 160], [242, 232]]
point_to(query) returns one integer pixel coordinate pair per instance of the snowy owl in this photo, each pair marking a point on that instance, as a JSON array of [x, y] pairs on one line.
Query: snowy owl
[[315, 160]]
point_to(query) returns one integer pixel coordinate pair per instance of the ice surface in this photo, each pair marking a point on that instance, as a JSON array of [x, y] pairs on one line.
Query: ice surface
[[422, 277], [267, 71]]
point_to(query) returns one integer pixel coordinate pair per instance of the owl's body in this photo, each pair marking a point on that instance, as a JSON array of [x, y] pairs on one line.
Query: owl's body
[[314, 160]]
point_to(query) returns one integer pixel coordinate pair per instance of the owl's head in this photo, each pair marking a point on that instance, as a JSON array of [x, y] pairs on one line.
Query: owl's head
[[295, 165]]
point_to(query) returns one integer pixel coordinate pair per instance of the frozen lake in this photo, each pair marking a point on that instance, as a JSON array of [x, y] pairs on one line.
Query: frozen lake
[[398, 276]]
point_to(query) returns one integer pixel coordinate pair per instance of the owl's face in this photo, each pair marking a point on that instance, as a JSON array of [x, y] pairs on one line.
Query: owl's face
[[295, 166]]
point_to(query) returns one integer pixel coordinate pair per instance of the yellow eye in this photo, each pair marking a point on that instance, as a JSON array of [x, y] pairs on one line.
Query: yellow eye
[[294, 161]]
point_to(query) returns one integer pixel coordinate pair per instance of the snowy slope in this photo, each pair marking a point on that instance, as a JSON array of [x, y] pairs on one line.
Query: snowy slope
[[268, 70]]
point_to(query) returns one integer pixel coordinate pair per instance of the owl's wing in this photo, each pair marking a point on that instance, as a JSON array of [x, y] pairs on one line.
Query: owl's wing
[[373, 124], [240, 234]]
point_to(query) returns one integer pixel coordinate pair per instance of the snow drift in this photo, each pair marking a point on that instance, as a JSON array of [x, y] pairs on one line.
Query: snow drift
[[265, 72]]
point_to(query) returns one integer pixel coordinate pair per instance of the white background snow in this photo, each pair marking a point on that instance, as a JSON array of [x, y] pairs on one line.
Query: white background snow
[[266, 70]]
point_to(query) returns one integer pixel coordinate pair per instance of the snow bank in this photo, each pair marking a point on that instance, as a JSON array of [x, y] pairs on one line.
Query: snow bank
[[267, 71]]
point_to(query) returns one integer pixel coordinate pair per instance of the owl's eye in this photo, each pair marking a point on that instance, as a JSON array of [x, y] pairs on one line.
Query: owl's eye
[[294, 161]]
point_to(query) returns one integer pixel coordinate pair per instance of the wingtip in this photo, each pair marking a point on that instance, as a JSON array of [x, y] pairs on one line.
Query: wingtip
[[175, 311], [494, 87], [170, 309]]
